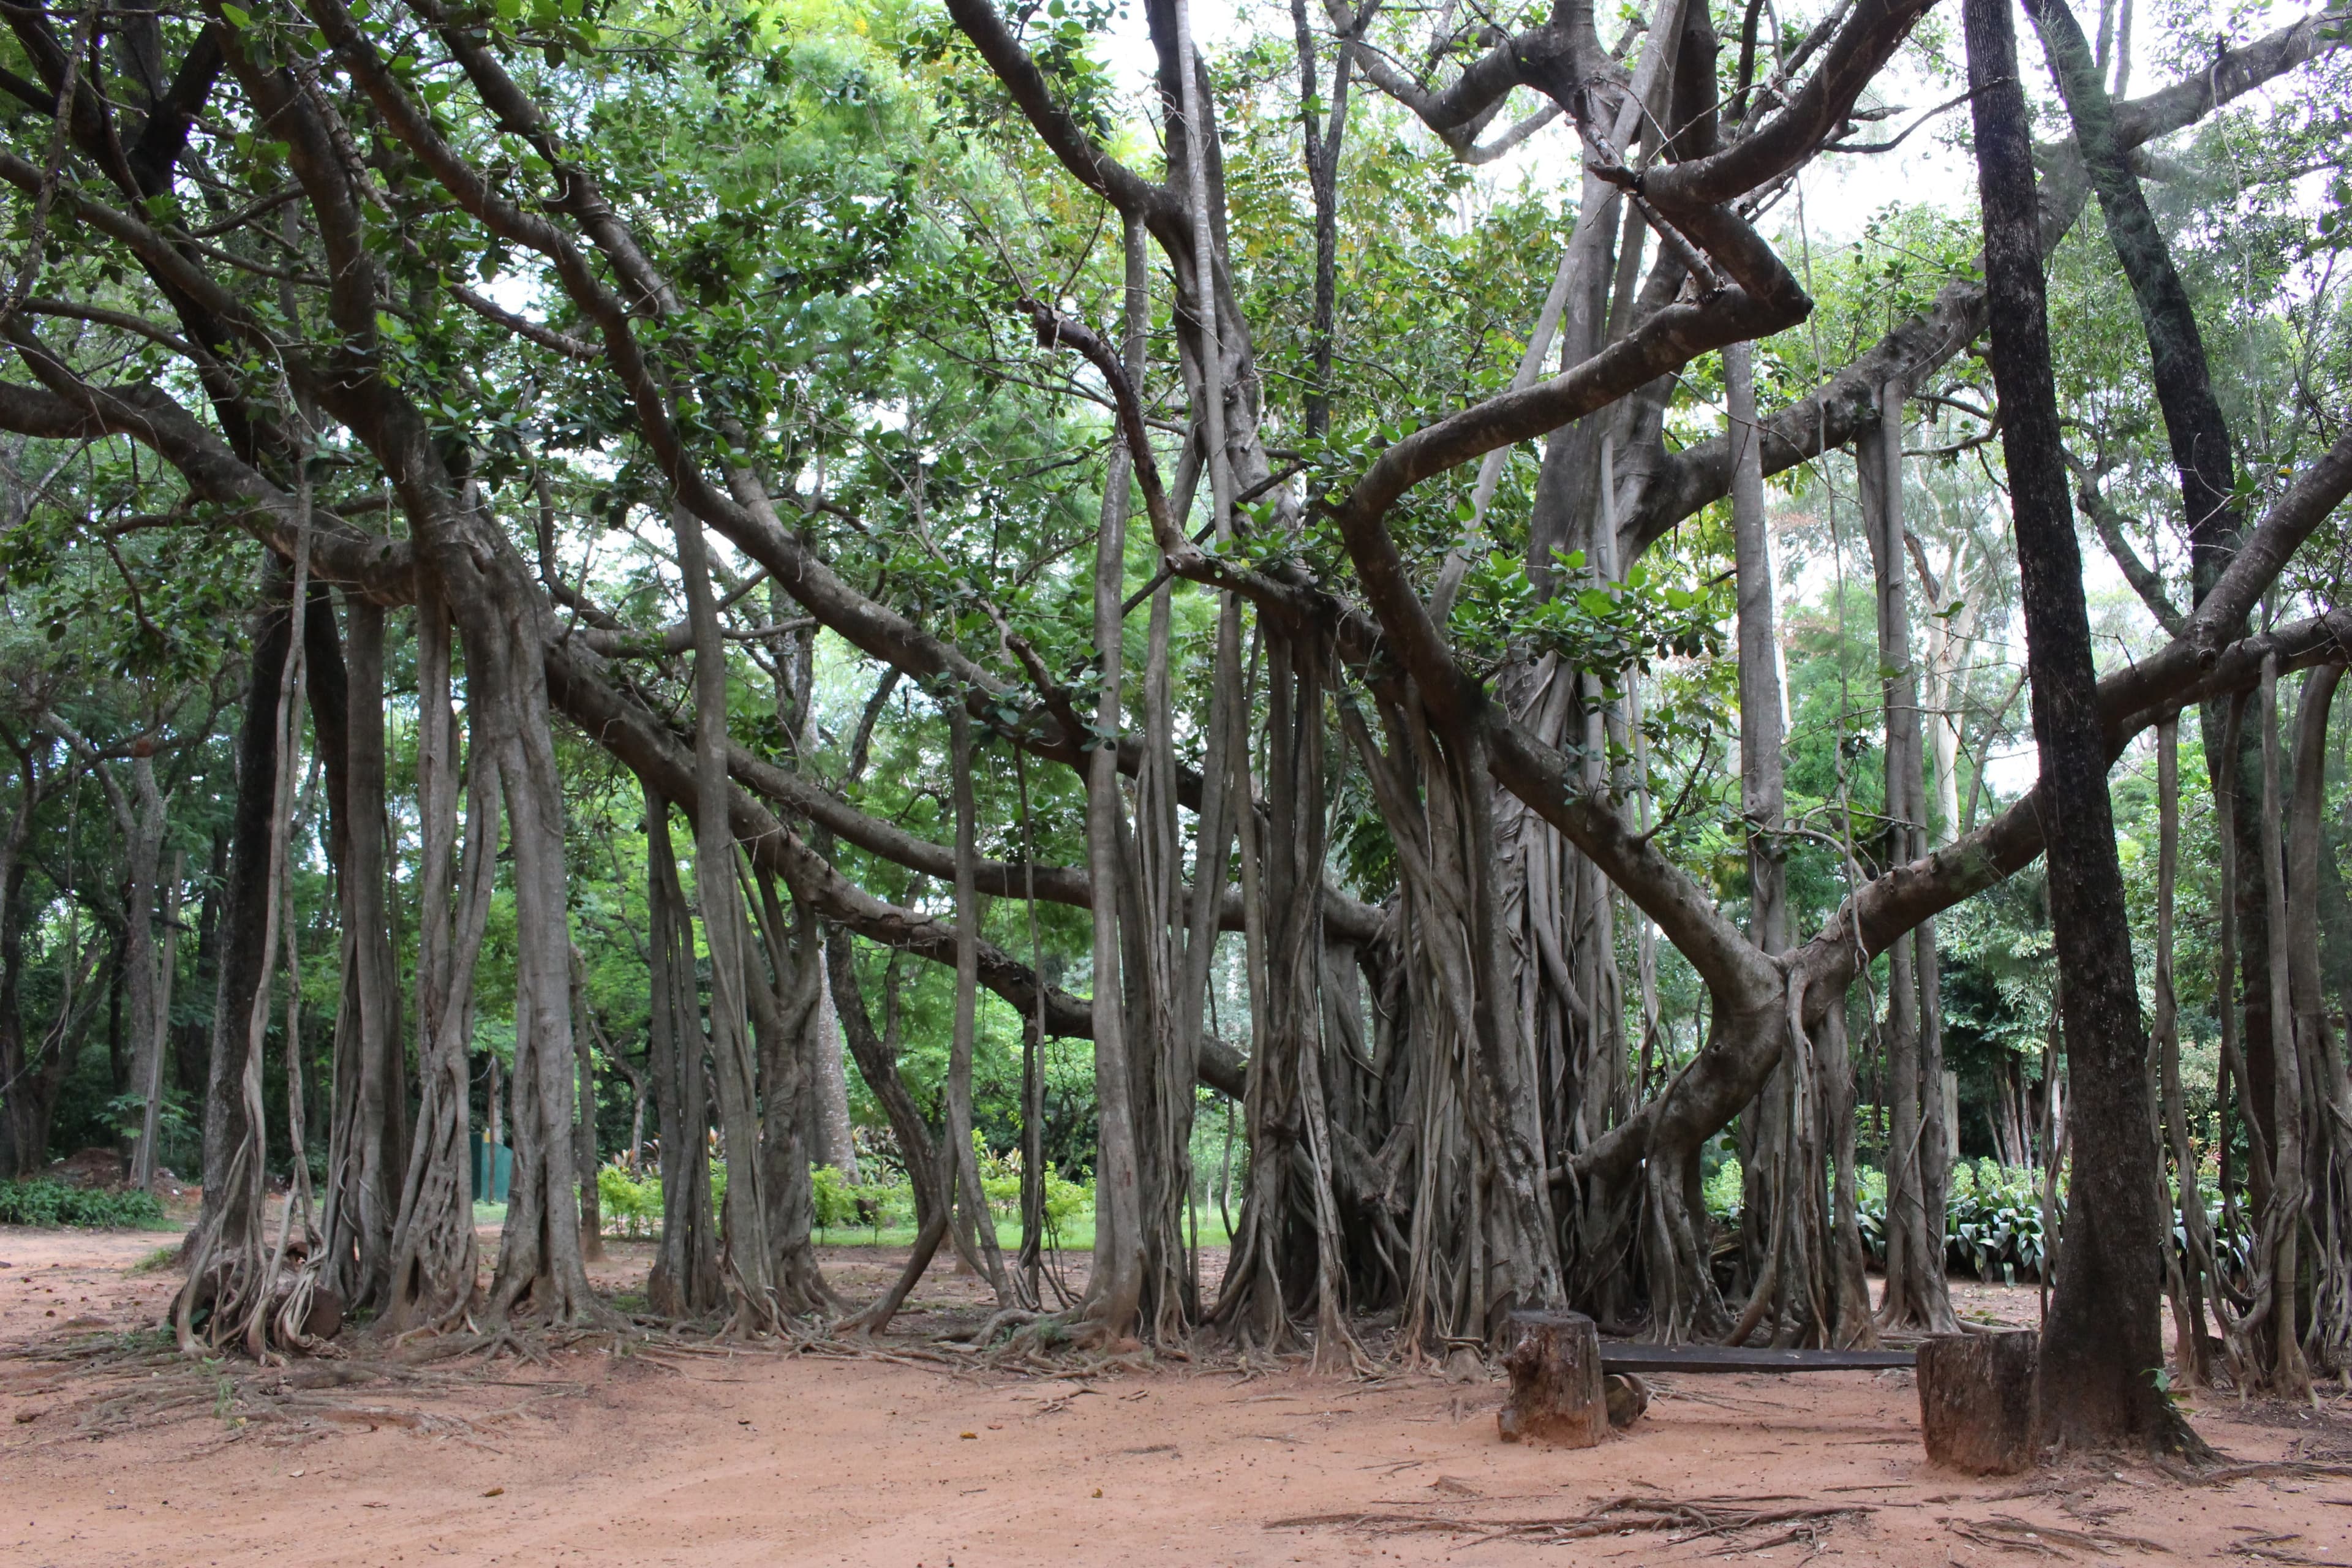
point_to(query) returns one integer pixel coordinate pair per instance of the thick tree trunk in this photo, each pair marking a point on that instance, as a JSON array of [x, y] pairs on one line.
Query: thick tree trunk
[[2326, 1087], [368, 1143], [24, 1132], [784, 986], [2203, 457], [2092, 1385], [434, 1251], [233, 1274], [247, 905]]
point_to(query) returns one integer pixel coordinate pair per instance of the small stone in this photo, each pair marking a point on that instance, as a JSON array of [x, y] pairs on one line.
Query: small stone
[[1628, 1396]]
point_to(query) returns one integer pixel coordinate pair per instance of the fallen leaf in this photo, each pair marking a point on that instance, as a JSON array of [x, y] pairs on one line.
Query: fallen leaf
[[495, 1492]]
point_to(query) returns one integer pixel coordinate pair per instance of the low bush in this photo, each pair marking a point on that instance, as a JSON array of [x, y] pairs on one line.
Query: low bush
[[41, 1202], [630, 1203]]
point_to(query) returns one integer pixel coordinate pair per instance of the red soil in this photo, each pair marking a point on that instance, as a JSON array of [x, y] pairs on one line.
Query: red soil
[[770, 1459]]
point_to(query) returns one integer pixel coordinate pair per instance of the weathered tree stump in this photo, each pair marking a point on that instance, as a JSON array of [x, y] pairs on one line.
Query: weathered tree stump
[[1975, 1401], [1628, 1396], [1556, 1388]]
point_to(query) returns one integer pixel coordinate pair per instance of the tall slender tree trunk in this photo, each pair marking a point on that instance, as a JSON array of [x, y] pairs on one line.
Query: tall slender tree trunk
[[247, 905], [1915, 1292], [368, 1140], [2278, 1288], [2095, 1385], [745, 1258], [142, 958], [1117, 1283], [434, 1252], [2326, 1095], [2187, 1279], [963, 1158], [684, 1281]]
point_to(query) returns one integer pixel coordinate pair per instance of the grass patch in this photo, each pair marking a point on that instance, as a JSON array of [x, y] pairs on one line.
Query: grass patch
[[39, 1201], [157, 1261]]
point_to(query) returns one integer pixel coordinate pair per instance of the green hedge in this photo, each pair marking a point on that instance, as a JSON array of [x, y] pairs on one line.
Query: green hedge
[[43, 1202]]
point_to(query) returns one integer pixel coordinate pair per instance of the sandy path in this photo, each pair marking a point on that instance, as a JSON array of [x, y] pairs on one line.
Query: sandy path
[[762, 1459]]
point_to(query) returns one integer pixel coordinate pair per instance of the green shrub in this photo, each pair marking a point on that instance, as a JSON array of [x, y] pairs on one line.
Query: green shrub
[[631, 1204], [1723, 1192], [1992, 1215], [1992, 1219], [42, 1202]]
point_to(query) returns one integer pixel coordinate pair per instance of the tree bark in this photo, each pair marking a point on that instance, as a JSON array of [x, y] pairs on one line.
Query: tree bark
[[434, 1251], [1975, 1401], [2278, 1264], [1557, 1395], [1117, 1286], [368, 1143], [1915, 1292], [2187, 1277], [247, 906], [836, 1143], [964, 1160], [2093, 1387], [141, 958], [684, 1281], [745, 1255]]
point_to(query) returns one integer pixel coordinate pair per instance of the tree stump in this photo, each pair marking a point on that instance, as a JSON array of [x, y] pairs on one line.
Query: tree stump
[[1556, 1388], [1975, 1401]]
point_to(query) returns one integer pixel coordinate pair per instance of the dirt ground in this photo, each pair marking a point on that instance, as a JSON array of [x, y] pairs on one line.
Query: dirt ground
[[114, 1452]]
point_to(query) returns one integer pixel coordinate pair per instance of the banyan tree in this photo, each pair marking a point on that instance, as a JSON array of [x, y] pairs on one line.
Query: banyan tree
[[863, 506]]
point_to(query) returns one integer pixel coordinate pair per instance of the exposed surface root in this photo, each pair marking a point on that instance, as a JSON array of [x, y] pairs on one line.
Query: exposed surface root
[[2010, 1533], [1684, 1520]]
